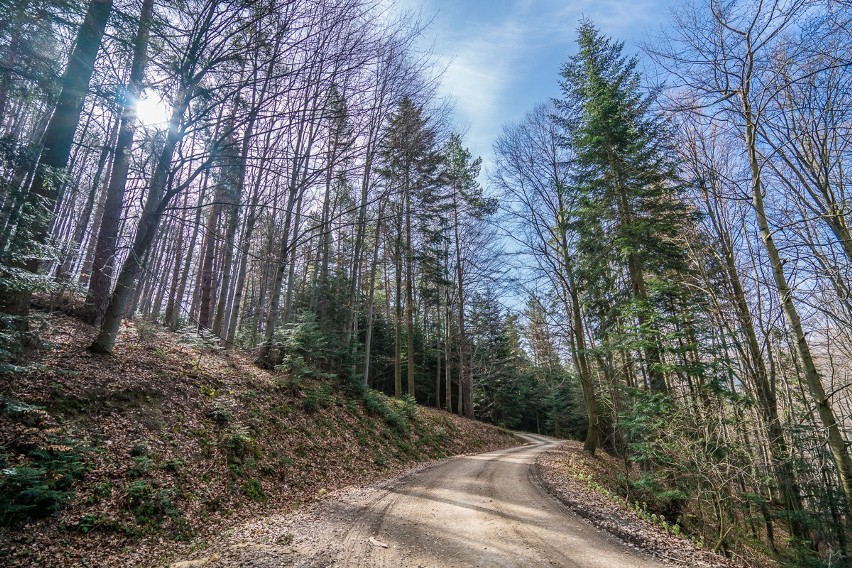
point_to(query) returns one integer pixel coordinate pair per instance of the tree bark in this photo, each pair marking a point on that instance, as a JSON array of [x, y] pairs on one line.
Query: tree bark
[[74, 254], [368, 340], [103, 265], [465, 387], [208, 257], [836, 443], [409, 291], [146, 230], [448, 376], [59, 136], [397, 344], [173, 308], [779, 454]]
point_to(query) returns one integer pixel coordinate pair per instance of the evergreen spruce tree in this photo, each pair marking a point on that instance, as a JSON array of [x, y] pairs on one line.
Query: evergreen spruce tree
[[461, 171], [411, 161], [498, 397], [629, 206]]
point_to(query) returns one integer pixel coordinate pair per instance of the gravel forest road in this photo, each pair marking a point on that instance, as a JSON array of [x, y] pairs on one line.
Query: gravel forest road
[[484, 510]]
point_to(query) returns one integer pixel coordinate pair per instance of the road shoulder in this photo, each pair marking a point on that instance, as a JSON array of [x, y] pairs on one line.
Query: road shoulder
[[555, 470]]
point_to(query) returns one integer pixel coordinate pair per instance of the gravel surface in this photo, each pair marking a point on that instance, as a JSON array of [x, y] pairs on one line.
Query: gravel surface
[[479, 510]]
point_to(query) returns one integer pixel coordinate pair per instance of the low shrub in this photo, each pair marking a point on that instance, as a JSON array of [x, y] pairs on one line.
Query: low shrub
[[254, 491], [317, 397], [35, 481], [149, 504], [239, 446]]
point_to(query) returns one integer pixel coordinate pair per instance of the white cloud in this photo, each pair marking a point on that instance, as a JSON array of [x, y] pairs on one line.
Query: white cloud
[[501, 57], [479, 71]]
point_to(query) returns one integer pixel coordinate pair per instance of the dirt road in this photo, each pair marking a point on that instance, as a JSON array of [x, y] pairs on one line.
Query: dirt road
[[484, 510]]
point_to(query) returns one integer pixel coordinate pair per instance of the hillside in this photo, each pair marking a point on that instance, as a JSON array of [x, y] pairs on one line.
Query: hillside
[[141, 457]]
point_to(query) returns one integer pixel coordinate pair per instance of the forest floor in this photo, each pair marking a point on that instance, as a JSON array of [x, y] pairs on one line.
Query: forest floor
[[173, 453], [591, 487]]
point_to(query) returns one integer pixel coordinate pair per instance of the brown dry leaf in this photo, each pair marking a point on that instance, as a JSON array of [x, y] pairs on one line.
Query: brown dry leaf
[[559, 470]]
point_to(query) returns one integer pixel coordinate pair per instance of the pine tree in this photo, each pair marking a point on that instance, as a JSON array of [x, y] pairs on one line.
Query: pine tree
[[31, 196], [100, 281]]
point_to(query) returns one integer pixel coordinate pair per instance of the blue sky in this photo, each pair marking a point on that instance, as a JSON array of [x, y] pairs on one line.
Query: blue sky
[[503, 56]]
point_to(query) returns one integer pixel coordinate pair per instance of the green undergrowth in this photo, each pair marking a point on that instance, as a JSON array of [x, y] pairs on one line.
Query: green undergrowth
[[38, 467], [630, 488]]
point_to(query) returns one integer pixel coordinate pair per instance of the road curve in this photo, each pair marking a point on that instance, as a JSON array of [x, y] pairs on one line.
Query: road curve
[[483, 510]]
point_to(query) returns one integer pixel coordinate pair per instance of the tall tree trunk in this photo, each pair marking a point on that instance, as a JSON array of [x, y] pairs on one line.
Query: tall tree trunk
[[160, 259], [63, 209], [251, 221], [836, 443], [368, 339], [146, 231], [107, 242], [59, 136], [294, 243], [236, 179], [438, 349], [320, 276], [242, 269], [171, 299], [265, 356], [207, 272], [93, 229], [397, 344], [9, 59], [409, 291], [465, 387], [579, 352], [301, 161], [208, 258], [175, 303], [448, 377], [584, 369], [83, 223], [228, 316], [779, 454]]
